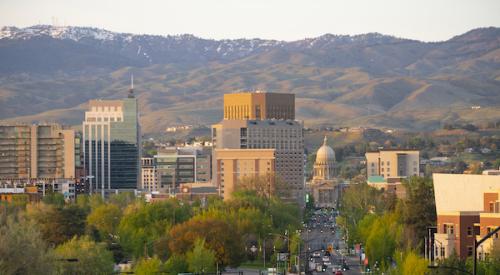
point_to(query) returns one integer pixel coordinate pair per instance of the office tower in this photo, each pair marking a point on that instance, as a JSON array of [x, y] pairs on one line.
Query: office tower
[[111, 144], [284, 136], [36, 152], [259, 106], [234, 165], [393, 163], [176, 165]]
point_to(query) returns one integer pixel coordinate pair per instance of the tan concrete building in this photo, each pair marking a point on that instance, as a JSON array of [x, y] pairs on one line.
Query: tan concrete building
[[467, 206], [285, 136], [389, 185], [149, 181], [234, 165], [259, 106], [36, 152], [324, 186], [393, 163]]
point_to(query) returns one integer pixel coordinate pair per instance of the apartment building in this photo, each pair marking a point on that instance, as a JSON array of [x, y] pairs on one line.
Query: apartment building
[[467, 208], [30, 152]]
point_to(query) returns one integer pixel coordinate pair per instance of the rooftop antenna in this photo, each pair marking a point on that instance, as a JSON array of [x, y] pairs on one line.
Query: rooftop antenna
[[131, 91]]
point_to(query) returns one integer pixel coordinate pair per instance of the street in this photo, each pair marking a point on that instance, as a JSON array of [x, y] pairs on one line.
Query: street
[[321, 236]]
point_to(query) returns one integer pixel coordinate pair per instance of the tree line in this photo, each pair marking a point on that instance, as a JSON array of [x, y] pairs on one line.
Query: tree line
[[167, 237]]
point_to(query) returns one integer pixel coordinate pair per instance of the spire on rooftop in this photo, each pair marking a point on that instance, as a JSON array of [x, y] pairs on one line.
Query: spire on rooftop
[[131, 90]]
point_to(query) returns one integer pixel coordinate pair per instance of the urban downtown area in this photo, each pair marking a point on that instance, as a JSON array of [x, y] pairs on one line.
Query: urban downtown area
[[263, 137], [248, 199]]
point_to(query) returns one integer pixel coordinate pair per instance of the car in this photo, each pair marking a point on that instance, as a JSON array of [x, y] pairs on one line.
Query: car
[[338, 272], [326, 259], [316, 254], [327, 263]]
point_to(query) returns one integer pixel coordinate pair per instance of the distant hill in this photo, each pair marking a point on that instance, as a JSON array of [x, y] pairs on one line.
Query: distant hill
[[48, 73]]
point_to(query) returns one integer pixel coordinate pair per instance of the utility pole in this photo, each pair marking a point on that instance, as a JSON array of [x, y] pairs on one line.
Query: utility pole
[[476, 245]]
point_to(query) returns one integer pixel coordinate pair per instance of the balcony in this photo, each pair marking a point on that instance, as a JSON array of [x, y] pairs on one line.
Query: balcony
[[446, 241]]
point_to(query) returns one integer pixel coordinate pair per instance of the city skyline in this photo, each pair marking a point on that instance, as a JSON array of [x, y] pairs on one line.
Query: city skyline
[[423, 20]]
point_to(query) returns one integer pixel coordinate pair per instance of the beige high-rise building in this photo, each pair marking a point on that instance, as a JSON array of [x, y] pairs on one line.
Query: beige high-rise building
[[234, 165], [285, 136], [259, 106], [393, 163], [148, 174], [36, 152]]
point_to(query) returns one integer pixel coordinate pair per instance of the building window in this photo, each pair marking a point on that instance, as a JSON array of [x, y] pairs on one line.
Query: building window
[[442, 251], [469, 250], [388, 163], [382, 163], [469, 231], [492, 207]]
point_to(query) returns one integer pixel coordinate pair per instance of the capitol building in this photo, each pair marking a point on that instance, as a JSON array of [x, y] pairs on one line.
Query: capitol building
[[324, 186]]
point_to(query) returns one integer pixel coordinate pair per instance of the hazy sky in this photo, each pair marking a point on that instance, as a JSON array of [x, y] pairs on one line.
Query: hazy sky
[[428, 20]]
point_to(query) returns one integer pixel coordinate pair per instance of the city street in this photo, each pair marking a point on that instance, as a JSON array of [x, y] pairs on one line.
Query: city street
[[320, 234]]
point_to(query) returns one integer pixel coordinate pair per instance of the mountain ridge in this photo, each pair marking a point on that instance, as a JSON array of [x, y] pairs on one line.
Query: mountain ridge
[[363, 80]]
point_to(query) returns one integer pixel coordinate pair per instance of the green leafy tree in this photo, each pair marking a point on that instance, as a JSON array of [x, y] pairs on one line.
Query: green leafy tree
[[22, 250], [92, 258], [418, 209], [142, 224], [490, 266], [57, 224], [214, 230], [176, 264], [357, 201], [409, 263], [383, 238], [54, 198], [147, 266], [105, 218], [201, 259]]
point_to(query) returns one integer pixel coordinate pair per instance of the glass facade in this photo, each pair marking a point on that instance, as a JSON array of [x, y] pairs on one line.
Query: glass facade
[[111, 144]]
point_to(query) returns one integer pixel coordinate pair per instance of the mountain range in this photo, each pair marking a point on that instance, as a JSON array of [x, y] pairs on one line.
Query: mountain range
[[48, 73]]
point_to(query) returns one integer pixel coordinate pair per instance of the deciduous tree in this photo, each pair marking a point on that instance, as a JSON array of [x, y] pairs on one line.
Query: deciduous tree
[[91, 257], [201, 259], [22, 250]]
